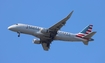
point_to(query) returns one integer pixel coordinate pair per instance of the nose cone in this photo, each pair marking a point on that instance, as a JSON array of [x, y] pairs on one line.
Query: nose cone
[[12, 28], [9, 27]]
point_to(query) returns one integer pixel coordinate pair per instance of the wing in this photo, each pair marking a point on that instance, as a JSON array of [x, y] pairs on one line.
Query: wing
[[61, 23], [46, 46], [46, 43]]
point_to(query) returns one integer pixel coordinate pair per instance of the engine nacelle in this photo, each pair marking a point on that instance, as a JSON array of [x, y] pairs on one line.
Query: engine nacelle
[[36, 41], [44, 30]]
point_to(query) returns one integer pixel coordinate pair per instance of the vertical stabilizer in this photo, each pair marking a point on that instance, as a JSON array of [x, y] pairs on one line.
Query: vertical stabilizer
[[87, 29], [86, 34]]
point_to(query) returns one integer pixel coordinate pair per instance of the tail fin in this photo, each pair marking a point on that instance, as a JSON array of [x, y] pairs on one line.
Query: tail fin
[[86, 34], [87, 30]]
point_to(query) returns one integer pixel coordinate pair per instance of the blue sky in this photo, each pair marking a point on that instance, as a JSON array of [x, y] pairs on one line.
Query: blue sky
[[45, 13]]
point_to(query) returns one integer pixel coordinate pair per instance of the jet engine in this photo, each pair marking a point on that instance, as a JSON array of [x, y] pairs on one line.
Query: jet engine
[[36, 41]]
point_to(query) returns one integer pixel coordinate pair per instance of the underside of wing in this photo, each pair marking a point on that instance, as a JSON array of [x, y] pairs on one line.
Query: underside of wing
[[46, 46], [58, 25]]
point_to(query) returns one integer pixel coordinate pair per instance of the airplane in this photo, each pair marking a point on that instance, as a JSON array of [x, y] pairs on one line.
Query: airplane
[[45, 36]]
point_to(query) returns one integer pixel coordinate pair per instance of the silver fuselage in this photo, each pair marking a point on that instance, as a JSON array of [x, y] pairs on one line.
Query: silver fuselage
[[36, 31]]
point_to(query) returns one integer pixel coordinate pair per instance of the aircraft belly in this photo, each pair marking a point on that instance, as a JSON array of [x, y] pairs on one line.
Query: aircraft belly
[[31, 32], [66, 38], [38, 34], [26, 31]]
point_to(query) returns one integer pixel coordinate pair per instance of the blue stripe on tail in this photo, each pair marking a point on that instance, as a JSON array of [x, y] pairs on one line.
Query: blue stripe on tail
[[84, 31]]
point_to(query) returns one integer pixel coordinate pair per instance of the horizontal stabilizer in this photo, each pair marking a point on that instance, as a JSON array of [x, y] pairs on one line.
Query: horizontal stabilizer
[[89, 35], [85, 42]]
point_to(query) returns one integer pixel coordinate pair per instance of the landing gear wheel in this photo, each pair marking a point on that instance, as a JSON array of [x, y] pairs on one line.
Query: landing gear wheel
[[19, 35]]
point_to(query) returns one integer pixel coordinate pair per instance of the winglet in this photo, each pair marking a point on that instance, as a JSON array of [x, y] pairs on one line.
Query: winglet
[[58, 25], [70, 14]]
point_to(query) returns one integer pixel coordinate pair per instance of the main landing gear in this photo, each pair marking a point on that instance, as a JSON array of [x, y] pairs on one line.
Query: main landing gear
[[18, 34]]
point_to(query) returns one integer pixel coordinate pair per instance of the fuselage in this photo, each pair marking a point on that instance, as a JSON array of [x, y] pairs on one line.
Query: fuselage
[[36, 31]]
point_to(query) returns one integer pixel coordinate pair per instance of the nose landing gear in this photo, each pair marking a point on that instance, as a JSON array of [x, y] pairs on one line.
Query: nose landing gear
[[18, 34]]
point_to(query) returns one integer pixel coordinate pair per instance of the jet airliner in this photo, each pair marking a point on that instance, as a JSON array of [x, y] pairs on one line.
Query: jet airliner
[[45, 36]]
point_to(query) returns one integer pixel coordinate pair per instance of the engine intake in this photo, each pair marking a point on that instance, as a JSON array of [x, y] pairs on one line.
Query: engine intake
[[36, 41]]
